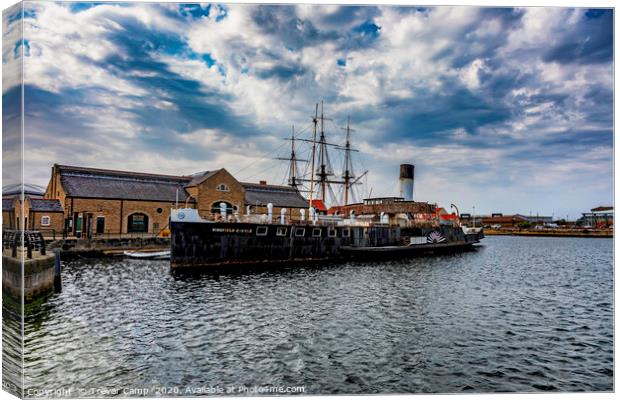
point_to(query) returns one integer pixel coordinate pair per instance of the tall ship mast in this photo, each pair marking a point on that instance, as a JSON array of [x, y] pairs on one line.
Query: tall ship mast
[[284, 232], [320, 178]]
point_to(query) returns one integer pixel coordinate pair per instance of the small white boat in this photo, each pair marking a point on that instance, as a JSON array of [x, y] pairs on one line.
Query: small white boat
[[148, 255]]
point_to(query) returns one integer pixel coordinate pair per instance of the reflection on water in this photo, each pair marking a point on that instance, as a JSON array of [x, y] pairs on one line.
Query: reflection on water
[[519, 314]]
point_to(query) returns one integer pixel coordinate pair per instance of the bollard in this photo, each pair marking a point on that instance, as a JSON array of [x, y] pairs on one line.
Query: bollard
[[57, 270]]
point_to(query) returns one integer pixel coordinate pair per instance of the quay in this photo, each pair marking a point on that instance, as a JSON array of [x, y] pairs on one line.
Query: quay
[[28, 269], [586, 233], [108, 246]]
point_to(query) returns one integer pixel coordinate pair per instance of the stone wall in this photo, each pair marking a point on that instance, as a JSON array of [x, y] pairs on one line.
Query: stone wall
[[38, 276], [103, 246]]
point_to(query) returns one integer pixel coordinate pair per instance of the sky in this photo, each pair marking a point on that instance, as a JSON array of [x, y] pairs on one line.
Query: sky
[[502, 109]]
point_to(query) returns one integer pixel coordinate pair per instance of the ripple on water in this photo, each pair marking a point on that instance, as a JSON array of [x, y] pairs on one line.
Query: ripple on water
[[519, 314]]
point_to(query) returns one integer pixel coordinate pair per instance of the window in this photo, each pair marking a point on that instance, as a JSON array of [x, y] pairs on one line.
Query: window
[[261, 231], [331, 232], [222, 187], [159, 210], [346, 232], [137, 222], [281, 231], [45, 220], [300, 232], [155, 226], [316, 232], [215, 207]]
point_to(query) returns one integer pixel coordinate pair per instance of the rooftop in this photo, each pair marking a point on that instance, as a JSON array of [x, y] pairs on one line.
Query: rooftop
[[45, 205], [126, 185], [279, 196], [7, 205], [16, 189]]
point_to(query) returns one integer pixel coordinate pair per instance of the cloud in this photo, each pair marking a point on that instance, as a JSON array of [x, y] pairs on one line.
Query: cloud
[[495, 106]]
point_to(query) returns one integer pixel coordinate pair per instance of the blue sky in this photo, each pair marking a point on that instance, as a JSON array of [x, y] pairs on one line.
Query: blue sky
[[508, 110]]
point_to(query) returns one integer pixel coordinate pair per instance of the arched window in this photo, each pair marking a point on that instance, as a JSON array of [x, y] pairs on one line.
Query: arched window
[[138, 222], [222, 187], [215, 207]]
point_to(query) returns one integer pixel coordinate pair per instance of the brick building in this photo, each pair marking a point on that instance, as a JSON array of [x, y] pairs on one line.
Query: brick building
[[109, 202], [9, 212], [46, 215], [505, 221]]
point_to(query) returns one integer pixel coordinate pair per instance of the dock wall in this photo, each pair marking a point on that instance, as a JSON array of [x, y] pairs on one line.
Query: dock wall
[[552, 233], [108, 246], [38, 276]]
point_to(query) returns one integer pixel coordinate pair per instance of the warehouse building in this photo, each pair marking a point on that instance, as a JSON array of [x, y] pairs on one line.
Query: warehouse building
[[100, 202]]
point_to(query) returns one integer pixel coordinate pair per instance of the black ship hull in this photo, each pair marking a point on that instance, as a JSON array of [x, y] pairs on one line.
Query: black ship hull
[[199, 245]]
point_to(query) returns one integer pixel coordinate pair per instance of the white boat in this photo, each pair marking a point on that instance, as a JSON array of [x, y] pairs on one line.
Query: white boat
[[149, 255]]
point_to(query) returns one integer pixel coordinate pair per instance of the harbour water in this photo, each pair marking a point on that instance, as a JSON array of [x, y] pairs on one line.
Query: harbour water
[[518, 315]]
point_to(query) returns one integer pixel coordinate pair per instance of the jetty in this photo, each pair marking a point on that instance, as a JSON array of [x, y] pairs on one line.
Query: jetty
[[587, 233]]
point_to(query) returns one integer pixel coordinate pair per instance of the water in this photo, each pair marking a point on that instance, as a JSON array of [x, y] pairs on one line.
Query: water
[[519, 314]]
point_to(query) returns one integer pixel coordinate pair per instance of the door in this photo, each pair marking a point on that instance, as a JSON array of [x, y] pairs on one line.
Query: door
[[78, 225], [100, 225], [89, 225], [137, 222]]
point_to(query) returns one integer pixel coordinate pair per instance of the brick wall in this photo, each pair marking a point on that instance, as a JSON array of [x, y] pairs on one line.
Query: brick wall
[[8, 219], [116, 212], [208, 193], [57, 221], [54, 189]]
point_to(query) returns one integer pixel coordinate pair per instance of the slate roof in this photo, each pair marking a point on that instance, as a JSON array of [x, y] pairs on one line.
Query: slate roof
[[29, 189], [110, 184], [46, 205], [199, 177], [7, 205], [279, 196]]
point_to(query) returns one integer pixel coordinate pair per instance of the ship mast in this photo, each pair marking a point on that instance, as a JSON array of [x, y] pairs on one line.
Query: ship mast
[[348, 166], [292, 173], [320, 174], [323, 172], [293, 180], [315, 120]]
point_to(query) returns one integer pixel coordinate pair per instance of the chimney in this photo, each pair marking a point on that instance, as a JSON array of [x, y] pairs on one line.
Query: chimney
[[406, 181], [264, 183]]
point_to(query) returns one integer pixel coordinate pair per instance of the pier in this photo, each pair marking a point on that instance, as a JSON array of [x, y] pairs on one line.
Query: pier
[[593, 233]]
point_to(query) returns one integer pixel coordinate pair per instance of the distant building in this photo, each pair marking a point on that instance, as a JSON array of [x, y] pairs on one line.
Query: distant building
[[537, 219], [505, 221], [599, 217], [34, 191]]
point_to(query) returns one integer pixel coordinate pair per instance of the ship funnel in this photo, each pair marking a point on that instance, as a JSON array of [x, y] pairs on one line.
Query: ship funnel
[[406, 181]]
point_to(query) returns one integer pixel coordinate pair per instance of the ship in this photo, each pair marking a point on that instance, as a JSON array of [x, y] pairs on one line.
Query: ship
[[373, 228]]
